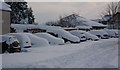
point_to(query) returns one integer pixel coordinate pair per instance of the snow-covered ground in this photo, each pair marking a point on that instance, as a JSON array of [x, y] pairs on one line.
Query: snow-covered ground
[[90, 54]]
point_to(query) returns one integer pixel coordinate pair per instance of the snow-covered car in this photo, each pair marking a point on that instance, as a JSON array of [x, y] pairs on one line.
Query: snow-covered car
[[91, 36], [79, 34], [111, 33], [117, 33], [24, 40], [37, 41], [50, 38], [66, 36], [9, 44], [100, 33], [88, 35]]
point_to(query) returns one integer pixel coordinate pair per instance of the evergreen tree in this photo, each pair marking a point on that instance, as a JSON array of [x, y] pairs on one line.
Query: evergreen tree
[[21, 14]]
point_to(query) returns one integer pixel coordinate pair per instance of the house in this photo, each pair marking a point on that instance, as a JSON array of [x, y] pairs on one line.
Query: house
[[74, 20], [4, 18], [114, 22]]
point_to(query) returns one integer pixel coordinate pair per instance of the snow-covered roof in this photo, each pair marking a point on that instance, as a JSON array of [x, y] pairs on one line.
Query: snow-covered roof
[[82, 21], [106, 18], [89, 22], [4, 6]]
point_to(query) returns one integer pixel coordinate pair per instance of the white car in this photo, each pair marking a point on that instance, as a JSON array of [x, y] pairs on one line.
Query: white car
[[50, 38], [79, 34], [88, 35], [37, 41], [117, 34], [24, 40], [100, 33], [9, 44], [66, 36], [111, 33]]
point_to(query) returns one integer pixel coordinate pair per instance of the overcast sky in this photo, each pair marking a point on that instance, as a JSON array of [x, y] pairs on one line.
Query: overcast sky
[[50, 11]]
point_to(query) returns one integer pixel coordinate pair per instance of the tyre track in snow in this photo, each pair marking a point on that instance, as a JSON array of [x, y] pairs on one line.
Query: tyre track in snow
[[89, 61], [85, 58]]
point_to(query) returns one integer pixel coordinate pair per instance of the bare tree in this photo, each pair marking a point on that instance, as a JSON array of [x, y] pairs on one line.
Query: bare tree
[[112, 8]]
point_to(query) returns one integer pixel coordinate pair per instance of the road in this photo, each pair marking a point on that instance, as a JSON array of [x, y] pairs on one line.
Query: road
[[101, 54]]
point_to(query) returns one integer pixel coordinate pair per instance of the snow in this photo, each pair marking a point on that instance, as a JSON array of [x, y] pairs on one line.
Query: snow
[[24, 21], [0, 61], [64, 34], [50, 38], [22, 27], [77, 20], [35, 40], [110, 32], [4, 6], [9, 39], [83, 27], [89, 22], [23, 39], [87, 34], [92, 54], [79, 34], [99, 32]]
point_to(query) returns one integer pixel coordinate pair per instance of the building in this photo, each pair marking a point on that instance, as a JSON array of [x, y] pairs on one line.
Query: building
[[114, 22], [75, 20], [4, 18]]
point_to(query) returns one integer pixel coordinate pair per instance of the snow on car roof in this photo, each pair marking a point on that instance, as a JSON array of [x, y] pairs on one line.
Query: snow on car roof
[[39, 41], [63, 33], [50, 38], [83, 27], [4, 6]]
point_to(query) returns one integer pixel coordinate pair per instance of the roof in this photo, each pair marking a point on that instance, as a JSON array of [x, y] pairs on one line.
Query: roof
[[82, 21], [4, 6]]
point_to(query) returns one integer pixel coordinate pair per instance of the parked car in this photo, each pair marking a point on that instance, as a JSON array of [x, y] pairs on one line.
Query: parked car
[[88, 35], [24, 40], [9, 44], [117, 33], [37, 41], [79, 34], [50, 38], [100, 33], [66, 36], [111, 33]]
